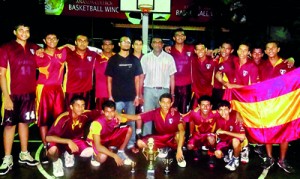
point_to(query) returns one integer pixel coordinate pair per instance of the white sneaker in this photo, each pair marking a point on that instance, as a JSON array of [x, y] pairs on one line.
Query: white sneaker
[[69, 159], [232, 164], [228, 157], [58, 170], [124, 157], [245, 155], [6, 165], [94, 162], [182, 163], [25, 157]]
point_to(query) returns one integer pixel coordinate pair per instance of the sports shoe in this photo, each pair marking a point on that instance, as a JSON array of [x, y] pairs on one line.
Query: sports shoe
[[44, 157], [285, 166], [211, 162], [260, 150], [204, 148], [268, 163], [6, 165], [182, 163], [245, 155], [25, 157], [69, 159], [196, 155], [58, 170], [232, 164], [124, 157], [228, 157], [94, 162], [163, 152]]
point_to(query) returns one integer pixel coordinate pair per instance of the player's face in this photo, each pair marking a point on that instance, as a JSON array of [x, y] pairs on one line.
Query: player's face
[[200, 50], [109, 113], [157, 44], [107, 46], [205, 107], [125, 43], [226, 50], [179, 37], [257, 54], [137, 45], [22, 33], [82, 42], [224, 112], [51, 41], [165, 104], [77, 108], [272, 50], [243, 51]]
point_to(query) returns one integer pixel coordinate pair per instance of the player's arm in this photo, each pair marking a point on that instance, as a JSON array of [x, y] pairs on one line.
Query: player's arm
[[172, 86], [7, 102], [142, 78], [109, 87], [137, 90], [59, 140], [179, 154]]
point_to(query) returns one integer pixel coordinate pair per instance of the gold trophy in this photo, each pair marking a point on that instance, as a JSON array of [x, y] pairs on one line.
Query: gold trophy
[[150, 155], [133, 164]]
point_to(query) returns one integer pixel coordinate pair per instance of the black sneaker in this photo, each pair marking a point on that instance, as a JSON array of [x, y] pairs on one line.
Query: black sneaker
[[28, 159], [260, 150], [44, 157], [211, 162], [285, 166], [196, 155], [268, 163]]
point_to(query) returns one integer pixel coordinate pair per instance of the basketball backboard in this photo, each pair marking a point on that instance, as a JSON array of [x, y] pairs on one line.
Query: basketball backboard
[[159, 6]]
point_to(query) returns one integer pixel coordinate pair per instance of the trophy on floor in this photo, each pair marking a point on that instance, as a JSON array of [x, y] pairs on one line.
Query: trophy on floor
[[150, 155], [133, 164], [167, 162]]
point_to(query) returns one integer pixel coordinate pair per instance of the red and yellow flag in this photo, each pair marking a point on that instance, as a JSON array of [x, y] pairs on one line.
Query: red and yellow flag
[[270, 109]]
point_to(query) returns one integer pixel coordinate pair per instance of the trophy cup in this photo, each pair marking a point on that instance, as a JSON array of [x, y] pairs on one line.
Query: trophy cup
[[133, 164], [150, 155], [167, 162]]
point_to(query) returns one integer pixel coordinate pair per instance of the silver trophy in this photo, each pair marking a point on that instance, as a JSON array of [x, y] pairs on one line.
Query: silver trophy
[[133, 164], [167, 162]]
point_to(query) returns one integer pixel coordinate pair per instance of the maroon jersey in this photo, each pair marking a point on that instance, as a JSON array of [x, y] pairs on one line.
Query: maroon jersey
[[51, 68], [65, 127], [79, 74], [268, 71], [226, 67], [246, 74], [183, 64], [108, 126], [169, 125], [20, 65], [101, 82], [202, 124], [231, 125], [202, 74]]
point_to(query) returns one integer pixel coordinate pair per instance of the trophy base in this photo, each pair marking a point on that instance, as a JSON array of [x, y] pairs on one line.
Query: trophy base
[[150, 174], [167, 171]]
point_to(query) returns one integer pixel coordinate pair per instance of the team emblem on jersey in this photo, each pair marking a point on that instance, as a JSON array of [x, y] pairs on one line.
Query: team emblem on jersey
[[221, 67], [32, 51], [208, 66], [171, 120], [188, 54], [230, 128], [282, 71], [89, 58], [245, 73]]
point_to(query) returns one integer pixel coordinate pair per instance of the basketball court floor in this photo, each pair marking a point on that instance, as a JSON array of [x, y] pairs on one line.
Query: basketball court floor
[[194, 169]]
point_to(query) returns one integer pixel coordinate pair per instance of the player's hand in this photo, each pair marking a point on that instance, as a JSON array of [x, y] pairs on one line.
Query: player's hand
[[40, 53], [219, 76], [168, 49], [290, 62], [179, 155], [220, 131], [73, 146], [8, 104], [118, 160], [136, 101]]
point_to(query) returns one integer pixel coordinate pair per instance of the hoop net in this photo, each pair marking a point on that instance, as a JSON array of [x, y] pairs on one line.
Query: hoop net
[[145, 8]]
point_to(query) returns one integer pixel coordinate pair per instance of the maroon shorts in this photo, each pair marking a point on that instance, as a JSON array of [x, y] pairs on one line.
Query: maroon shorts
[[116, 138], [50, 103], [161, 141], [23, 112], [82, 144], [199, 140]]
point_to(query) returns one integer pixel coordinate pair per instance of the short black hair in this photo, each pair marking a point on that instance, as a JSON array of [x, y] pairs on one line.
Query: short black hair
[[108, 104], [137, 39], [204, 98], [76, 98], [223, 103], [165, 95], [178, 30], [273, 41]]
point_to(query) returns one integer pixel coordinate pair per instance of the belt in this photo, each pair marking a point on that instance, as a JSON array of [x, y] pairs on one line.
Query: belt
[[158, 88]]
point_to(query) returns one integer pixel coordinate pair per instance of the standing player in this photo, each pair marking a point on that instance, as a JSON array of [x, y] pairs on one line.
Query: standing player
[[106, 132], [231, 133], [66, 135], [202, 127], [78, 78], [169, 129], [50, 96], [100, 78], [18, 74]]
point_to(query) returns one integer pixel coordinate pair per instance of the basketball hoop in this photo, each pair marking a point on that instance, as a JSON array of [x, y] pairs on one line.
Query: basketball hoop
[[145, 8]]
